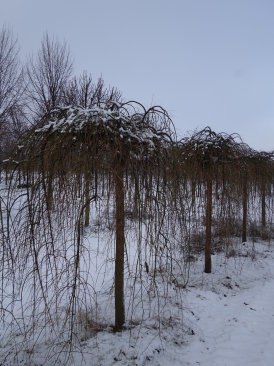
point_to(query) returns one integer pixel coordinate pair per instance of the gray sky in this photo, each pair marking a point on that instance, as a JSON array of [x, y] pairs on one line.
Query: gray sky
[[208, 62]]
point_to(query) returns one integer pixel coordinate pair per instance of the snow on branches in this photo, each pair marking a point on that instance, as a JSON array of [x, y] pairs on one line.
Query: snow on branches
[[129, 124]]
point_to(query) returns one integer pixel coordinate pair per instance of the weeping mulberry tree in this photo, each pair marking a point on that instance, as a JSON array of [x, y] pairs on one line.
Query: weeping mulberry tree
[[108, 142], [256, 175], [211, 160], [263, 166]]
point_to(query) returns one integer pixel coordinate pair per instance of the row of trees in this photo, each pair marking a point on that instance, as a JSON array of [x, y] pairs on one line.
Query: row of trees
[[228, 169], [73, 151]]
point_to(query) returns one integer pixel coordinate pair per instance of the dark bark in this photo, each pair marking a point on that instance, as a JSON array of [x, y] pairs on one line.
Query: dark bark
[[120, 248], [263, 189], [244, 203], [193, 192], [87, 199], [208, 224], [50, 191]]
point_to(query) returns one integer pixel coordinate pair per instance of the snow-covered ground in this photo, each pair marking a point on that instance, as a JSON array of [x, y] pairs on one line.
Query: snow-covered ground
[[228, 320], [232, 315]]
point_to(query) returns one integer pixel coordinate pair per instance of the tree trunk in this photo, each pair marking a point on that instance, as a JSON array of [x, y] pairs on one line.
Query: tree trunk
[[50, 192], [193, 192], [208, 223], [244, 203], [120, 248], [263, 203], [87, 199]]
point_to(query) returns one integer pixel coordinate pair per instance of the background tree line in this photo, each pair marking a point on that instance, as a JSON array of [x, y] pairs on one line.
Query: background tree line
[[29, 90]]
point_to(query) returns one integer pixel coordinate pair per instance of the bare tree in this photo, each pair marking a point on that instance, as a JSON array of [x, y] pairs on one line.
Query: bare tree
[[84, 92], [48, 76], [11, 88]]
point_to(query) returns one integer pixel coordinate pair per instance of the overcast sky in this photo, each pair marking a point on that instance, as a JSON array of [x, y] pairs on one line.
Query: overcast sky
[[208, 62]]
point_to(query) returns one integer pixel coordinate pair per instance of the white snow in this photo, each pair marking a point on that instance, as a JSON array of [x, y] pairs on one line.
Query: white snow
[[131, 127], [228, 320], [232, 316]]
